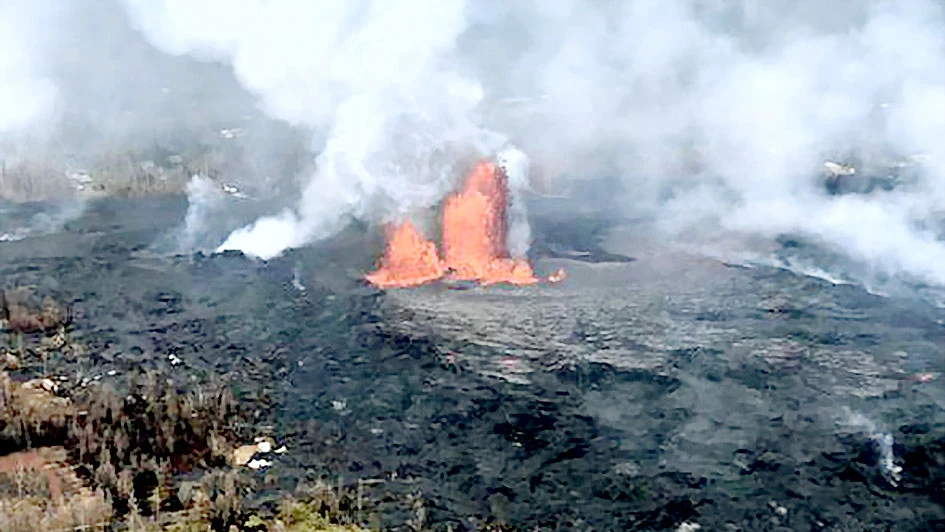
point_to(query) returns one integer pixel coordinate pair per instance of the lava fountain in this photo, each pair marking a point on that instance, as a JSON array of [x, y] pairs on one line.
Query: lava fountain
[[410, 259], [475, 228]]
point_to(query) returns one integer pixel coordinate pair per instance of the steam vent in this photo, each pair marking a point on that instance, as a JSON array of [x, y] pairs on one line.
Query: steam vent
[[475, 227]]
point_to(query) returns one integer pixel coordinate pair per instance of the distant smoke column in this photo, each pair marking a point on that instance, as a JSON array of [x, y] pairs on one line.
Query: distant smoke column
[[202, 198], [515, 164]]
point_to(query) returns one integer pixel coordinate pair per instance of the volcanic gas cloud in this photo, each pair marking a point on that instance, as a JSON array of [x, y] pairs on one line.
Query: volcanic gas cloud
[[475, 226]]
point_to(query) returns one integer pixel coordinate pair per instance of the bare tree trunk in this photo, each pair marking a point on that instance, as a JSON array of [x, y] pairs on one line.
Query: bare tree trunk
[[4, 306]]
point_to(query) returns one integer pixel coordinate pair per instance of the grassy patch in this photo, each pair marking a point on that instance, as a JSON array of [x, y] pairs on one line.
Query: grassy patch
[[140, 452]]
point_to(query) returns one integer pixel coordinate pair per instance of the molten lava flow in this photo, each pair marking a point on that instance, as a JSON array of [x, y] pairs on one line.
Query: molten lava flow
[[410, 260], [475, 228]]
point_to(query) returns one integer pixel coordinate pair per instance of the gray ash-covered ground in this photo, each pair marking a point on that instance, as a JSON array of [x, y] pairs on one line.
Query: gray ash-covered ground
[[652, 388]]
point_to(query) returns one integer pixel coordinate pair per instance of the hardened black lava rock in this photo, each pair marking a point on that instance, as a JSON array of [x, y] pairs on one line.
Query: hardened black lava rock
[[658, 393]]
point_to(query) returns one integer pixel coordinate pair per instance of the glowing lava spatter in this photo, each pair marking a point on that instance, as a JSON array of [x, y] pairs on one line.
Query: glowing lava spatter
[[409, 260], [475, 226]]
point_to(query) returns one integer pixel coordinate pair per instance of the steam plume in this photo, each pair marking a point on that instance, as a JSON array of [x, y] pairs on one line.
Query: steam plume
[[714, 114], [759, 91], [379, 80]]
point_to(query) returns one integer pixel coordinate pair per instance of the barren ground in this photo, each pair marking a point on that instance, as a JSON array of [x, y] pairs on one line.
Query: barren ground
[[636, 395]]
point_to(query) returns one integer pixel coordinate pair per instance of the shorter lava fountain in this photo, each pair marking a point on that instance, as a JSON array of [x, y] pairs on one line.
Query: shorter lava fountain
[[475, 225]]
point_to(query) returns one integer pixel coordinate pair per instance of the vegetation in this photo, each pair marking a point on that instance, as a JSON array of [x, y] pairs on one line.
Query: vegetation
[[162, 166], [114, 174], [121, 459], [151, 457]]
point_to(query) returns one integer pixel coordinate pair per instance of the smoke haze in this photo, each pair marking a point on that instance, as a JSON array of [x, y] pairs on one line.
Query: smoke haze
[[25, 93], [717, 116]]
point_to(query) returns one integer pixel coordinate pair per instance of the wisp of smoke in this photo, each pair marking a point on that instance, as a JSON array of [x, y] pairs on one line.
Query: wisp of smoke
[[884, 442], [203, 198], [715, 114]]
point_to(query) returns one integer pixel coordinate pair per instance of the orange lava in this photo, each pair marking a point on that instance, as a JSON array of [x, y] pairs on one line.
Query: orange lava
[[410, 260], [475, 225], [558, 276]]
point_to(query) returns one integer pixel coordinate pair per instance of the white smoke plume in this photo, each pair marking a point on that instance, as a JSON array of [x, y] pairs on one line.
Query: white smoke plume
[[79, 82], [380, 81], [712, 112], [715, 114], [516, 166], [204, 198], [884, 442]]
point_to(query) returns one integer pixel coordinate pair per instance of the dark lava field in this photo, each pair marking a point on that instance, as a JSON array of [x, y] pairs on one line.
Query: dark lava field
[[654, 389]]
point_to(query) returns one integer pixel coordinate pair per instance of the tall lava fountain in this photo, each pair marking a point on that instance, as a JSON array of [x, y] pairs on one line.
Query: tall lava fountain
[[475, 229]]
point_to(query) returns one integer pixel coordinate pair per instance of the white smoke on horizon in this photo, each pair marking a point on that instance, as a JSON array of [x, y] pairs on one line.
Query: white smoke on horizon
[[716, 116]]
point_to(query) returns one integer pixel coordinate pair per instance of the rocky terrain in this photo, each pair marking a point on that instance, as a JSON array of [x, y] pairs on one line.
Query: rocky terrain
[[654, 389]]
